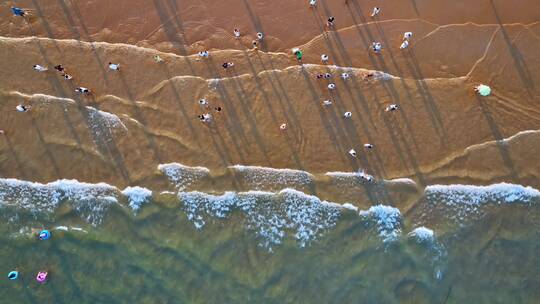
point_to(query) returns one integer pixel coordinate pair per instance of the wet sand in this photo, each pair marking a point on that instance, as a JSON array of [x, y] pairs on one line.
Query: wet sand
[[147, 115]]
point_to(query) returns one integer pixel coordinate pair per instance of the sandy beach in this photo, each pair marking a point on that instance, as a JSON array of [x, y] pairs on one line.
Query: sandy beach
[[146, 113]]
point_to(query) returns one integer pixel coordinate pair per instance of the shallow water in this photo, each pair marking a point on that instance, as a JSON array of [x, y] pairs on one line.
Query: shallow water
[[283, 247]]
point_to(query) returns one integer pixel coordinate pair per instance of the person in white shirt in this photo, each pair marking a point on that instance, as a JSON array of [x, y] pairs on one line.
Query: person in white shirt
[[40, 68], [236, 33], [22, 108], [347, 115], [391, 108], [407, 36], [327, 102], [114, 66], [260, 36], [404, 44], [312, 3], [352, 152], [344, 76], [376, 11], [368, 146], [324, 58], [331, 86]]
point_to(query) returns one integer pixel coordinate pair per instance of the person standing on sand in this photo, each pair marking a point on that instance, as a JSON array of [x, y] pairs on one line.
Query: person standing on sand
[[327, 76], [260, 36], [203, 102], [324, 58], [298, 53], [327, 103], [254, 44], [40, 68], [392, 108], [204, 54], [407, 35], [59, 68], [375, 12], [114, 66], [283, 127], [17, 11], [226, 65], [376, 47], [312, 3], [236, 33], [368, 146], [404, 44], [347, 115], [331, 86], [67, 77], [158, 59], [345, 76], [352, 152], [22, 108], [330, 21], [83, 90]]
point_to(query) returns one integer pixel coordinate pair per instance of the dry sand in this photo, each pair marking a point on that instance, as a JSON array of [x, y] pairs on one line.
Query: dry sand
[[146, 114]]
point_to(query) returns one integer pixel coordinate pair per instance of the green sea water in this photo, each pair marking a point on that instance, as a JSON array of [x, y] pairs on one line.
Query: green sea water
[[488, 255]]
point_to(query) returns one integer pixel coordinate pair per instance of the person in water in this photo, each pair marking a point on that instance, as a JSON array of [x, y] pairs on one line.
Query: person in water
[[13, 275], [42, 277], [44, 235]]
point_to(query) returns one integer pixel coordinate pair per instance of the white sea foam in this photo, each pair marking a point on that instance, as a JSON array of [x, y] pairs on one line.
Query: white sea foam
[[350, 178], [183, 176], [90, 201], [269, 215], [137, 196], [263, 178], [422, 234], [386, 219], [476, 195]]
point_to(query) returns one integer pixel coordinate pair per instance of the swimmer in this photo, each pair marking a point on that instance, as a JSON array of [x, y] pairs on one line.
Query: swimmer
[[260, 36], [330, 21], [83, 90], [331, 86], [40, 68], [42, 277], [392, 108], [345, 76], [312, 3], [22, 108], [59, 68], [327, 103], [327, 75], [158, 59], [44, 235], [114, 66], [236, 33], [404, 45], [67, 77], [376, 47], [375, 12], [347, 115], [13, 275], [324, 58], [352, 152], [283, 127], [407, 35], [368, 146]]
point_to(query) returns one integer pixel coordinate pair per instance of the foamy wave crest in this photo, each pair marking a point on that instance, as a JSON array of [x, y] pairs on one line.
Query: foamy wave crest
[[90, 201], [269, 215], [477, 195], [137, 196], [422, 235], [271, 179], [433, 250], [386, 220], [183, 176], [348, 179]]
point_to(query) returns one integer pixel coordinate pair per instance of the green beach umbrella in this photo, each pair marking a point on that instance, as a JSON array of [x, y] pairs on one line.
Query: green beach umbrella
[[483, 90]]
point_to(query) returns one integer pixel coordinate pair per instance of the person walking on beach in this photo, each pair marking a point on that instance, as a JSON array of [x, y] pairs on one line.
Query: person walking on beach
[[67, 77], [283, 127], [376, 47], [331, 86], [260, 36], [327, 103], [22, 108], [407, 36], [404, 44], [327, 76], [375, 12], [347, 115], [203, 102], [236, 33], [368, 146], [345, 76], [17, 11], [40, 68], [83, 90], [114, 66], [312, 3], [204, 54], [319, 76], [158, 59], [227, 65], [254, 44], [392, 108], [207, 117], [324, 58], [352, 152], [298, 53], [59, 68], [330, 21]]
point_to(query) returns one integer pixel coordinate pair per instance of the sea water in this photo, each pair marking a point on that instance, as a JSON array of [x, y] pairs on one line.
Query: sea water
[[457, 244]]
